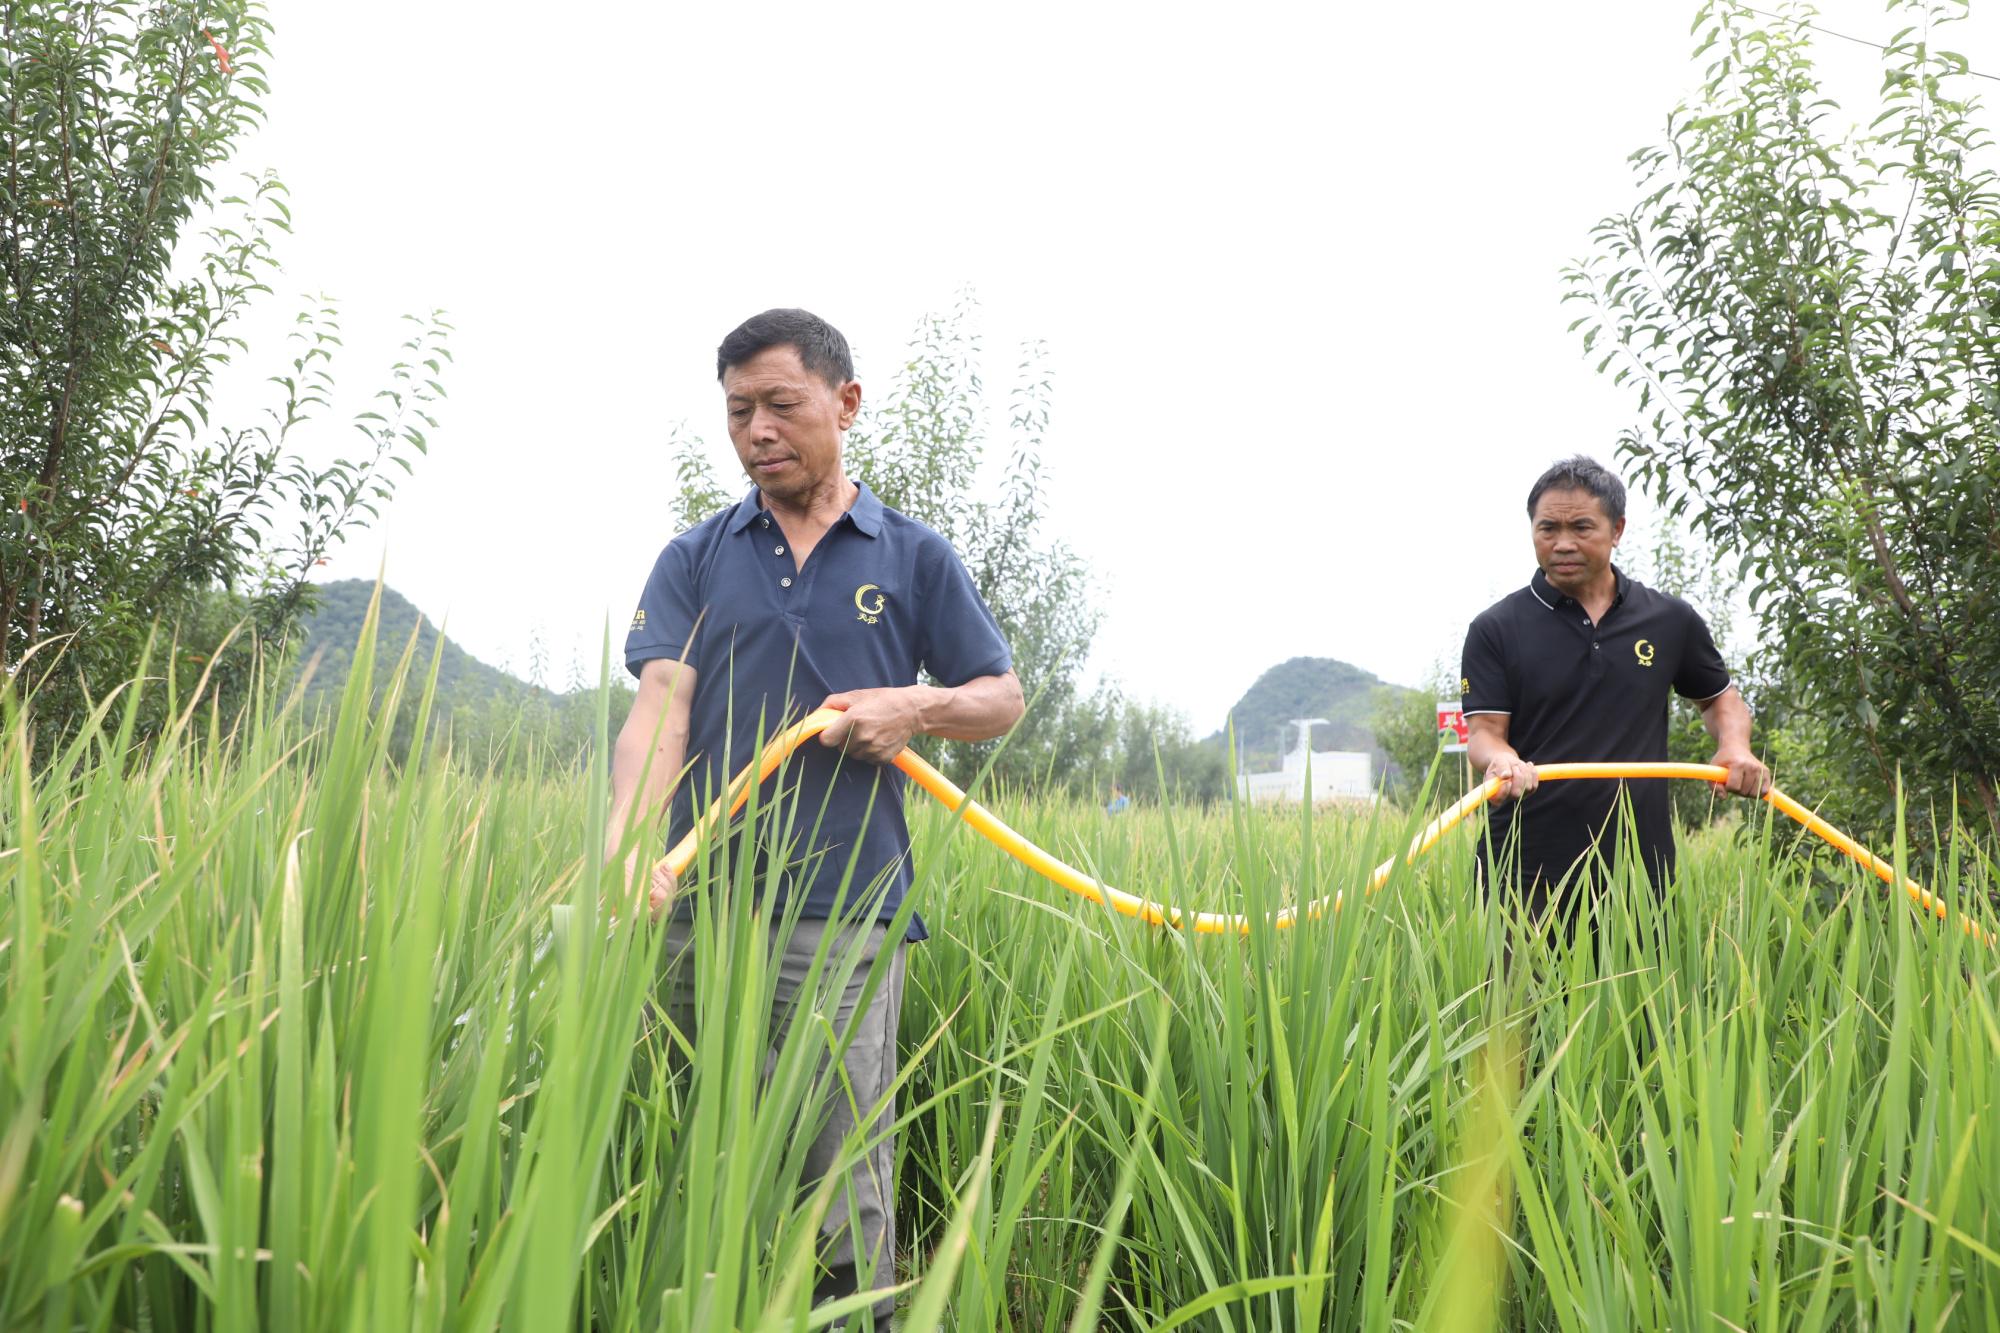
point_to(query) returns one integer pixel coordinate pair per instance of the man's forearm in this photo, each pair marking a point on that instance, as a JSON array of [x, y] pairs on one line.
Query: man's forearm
[[647, 756], [978, 710], [638, 788], [1482, 749], [1727, 720]]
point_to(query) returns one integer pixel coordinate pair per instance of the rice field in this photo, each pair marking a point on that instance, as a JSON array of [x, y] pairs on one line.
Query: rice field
[[294, 1037]]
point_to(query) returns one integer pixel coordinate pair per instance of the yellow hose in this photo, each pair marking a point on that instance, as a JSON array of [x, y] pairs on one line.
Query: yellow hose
[[996, 831]]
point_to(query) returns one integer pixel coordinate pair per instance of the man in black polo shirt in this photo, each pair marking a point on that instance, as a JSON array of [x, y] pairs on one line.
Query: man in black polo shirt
[[809, 592], [1576, 668]]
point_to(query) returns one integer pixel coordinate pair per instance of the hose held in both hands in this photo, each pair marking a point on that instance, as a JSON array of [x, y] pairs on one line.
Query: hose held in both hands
[[996, 831]]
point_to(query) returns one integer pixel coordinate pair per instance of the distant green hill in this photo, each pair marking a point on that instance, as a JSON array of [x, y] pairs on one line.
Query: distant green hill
[[1305, 687], [490, 715], [331, 630]]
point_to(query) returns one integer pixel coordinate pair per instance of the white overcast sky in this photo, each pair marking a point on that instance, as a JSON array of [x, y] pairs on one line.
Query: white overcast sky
[[1296, 267]]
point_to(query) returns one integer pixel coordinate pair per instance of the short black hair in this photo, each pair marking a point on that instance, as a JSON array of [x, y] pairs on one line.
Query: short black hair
[[820, 346], [1581, 473]]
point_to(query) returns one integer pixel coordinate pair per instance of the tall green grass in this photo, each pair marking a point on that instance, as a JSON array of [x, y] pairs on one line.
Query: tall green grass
[[294, 1038]]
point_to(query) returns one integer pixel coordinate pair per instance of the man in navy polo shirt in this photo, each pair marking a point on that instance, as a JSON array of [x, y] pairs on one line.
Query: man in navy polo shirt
[[1577, 667], [810, 592]]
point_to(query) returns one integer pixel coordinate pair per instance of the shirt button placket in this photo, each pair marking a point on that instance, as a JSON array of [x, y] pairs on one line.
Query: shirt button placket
[[779, 549]]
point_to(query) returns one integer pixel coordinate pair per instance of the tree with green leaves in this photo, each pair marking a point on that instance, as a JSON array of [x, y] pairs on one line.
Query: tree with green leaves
[[1159, 758], [1807, 314], [126, 504], [921, 447], [1675, 562], [1404, 724]]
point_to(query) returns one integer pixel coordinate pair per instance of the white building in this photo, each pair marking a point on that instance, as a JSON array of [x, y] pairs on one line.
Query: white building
[[1335, 775]]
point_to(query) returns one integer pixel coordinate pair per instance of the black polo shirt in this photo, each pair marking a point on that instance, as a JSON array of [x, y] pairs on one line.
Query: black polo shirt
[[1577, 692], [880, 598]]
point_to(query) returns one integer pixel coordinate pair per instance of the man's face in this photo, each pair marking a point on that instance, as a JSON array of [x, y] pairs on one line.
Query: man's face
[[1574, 538], [786, 422]]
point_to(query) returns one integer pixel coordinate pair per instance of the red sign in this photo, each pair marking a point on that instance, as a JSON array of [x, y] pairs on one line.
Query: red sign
[[1453, 733]]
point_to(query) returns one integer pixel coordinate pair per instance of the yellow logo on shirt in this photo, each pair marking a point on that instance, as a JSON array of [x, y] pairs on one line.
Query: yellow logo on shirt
[[639, 618], [870, 608], [1643, 650], [1465, 684]]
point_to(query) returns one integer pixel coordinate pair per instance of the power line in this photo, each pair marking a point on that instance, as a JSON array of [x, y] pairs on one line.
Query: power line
[[1850, 37]]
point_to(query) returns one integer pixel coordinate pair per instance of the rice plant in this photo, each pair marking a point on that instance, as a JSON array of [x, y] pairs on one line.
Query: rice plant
[[297, 1033]]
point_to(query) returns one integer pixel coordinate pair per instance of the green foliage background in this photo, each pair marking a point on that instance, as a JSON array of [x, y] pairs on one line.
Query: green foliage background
[[126, 272], [1805, 317]]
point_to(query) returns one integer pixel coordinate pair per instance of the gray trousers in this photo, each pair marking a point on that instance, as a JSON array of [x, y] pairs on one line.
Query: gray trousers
[[870, 1064]]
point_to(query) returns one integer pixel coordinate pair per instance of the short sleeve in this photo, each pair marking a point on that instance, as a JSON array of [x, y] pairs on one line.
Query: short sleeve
[[663, 623], [961, 639], [1702, 674], [1483, 683]]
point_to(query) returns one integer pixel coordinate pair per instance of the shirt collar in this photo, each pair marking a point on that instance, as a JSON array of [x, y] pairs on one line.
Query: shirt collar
[[1545, 592], [746, 512], [865, 513]]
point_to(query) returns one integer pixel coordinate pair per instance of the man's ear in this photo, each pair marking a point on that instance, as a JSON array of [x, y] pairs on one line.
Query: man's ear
[[850, 403]]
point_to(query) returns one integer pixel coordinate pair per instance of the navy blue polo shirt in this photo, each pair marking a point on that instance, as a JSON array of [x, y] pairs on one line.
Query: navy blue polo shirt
[[1578, 692], [880, 599]]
